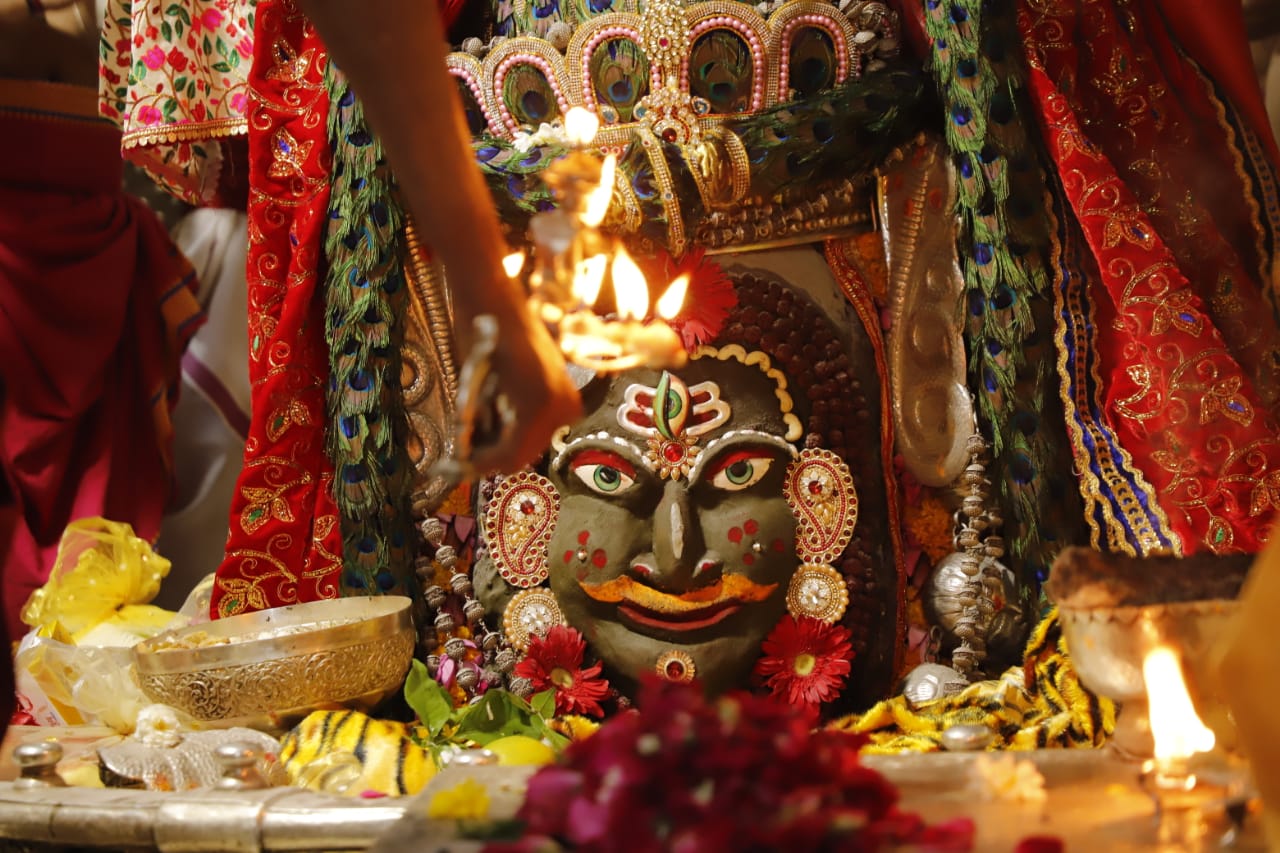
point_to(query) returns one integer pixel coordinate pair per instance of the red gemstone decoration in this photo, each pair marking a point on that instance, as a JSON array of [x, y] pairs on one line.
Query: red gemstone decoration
[[662, 42], [815, 487], [673, 452], [669, 135], [527, 507], [675, 670]]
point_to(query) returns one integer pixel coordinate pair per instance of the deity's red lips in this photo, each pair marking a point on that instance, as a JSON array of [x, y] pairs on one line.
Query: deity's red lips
[[688, 611]]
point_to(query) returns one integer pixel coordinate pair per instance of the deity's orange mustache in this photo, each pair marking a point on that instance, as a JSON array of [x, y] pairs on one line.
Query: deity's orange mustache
[[733, 588]]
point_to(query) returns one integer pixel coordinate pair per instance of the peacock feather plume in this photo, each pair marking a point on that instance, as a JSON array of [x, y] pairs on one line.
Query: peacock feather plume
[[1004, 246], [619, 73], [365, 295]]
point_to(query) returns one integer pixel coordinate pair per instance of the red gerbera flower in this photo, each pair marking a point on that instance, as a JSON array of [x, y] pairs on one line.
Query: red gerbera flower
[[555, 662], [805, 661], [708, 300]]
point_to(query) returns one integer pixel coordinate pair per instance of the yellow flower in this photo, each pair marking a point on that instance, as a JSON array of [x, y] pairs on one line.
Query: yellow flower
[[468, 800], [575, 726]]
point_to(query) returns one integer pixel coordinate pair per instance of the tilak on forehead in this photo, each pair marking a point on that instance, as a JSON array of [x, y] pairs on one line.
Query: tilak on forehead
[[673, 416]]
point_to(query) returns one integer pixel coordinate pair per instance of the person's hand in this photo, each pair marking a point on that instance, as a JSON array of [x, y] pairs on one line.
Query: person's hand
[[539, 397]]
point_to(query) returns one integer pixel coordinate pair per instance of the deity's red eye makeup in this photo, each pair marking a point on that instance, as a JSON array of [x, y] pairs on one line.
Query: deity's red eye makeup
[[603, 471], [596, 456]]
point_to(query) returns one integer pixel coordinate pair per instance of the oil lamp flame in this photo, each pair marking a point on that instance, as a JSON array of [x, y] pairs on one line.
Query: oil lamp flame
[[513, 263], [670, 303], [629, 287], [1175, 727], [598, 200], [580, 126], [588, 277]]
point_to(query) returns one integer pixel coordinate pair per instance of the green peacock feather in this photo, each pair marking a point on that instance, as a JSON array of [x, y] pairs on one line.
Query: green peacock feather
[[365, 295], [1004, 248]]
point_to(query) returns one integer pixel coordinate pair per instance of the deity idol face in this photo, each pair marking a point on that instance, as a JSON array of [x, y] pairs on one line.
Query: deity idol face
[[675, 543]]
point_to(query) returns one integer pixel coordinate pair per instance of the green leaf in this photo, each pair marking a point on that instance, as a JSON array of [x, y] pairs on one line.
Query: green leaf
[[544, 704], [166, 31], [222, 66], [180, 83], [501, 714], [172, 9], [428, 698], [207, 45]]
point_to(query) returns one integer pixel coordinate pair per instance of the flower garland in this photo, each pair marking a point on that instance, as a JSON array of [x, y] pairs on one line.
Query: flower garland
[[739, 773]]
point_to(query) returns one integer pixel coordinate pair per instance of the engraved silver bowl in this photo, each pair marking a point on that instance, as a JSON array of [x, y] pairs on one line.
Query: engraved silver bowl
[[269, 669], [1109, 644]]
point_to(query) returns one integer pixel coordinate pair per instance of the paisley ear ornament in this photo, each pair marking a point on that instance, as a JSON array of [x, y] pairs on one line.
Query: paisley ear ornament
[[517, 527], [819, 489]]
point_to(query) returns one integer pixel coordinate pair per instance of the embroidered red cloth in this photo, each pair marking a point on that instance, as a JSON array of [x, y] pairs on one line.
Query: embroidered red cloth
[[284, 544], [1172, 267], [96, 307]]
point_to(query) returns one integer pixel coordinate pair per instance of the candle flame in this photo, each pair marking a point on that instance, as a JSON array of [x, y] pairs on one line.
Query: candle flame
[[670, 303], [598, 201], [588, 278], [513, 263], [629, 287], [580, 125], [1177, 730]]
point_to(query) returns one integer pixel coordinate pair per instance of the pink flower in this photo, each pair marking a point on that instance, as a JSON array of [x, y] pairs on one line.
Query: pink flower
[[153, 59], [239, 102], [148, 115], [211, 18], [245, 47]]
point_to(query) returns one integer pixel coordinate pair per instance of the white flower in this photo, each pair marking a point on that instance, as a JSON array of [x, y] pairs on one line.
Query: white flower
[[546, 134], [1004, 777]]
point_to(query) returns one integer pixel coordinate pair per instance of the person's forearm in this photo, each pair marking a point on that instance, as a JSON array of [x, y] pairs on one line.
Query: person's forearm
[[393, 52]]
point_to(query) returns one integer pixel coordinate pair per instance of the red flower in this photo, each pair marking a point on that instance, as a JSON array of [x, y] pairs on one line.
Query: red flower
[[707, 302], [555, 662], [741, 773], [805, 661], [177, 59]]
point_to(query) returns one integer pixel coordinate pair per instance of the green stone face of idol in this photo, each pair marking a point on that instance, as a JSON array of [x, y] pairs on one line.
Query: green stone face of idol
[[674, 534]]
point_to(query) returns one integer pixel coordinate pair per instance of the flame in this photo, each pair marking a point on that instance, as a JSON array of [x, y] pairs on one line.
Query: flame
[[1177, 730], [629, 287], [513, 263], [580, 125], [670, 303], [599, 199], [588, 277]]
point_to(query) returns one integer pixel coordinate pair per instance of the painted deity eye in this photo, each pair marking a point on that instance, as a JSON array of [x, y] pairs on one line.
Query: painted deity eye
[[604, 472], [740, 470]]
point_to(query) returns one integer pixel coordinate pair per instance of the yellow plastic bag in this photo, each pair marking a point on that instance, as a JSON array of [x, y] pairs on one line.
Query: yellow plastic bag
[[75, 661], [103, 573]]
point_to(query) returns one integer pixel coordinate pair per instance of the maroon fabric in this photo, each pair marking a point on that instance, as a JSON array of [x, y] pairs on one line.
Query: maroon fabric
[[96, 305]]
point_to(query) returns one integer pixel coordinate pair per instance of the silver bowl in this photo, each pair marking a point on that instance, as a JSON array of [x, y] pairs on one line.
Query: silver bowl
[[1109, 644], [269, 669]]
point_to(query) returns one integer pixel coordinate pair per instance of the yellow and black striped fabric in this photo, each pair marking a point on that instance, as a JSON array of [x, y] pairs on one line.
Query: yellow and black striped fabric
[[390, 761], [1039, 705]]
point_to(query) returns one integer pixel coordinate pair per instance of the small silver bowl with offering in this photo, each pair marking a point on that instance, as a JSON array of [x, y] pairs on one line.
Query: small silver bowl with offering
[[1114, 610], [268, 669]]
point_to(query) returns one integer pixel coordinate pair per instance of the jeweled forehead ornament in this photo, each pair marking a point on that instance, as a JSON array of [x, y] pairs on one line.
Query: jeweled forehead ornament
[[672, 417]]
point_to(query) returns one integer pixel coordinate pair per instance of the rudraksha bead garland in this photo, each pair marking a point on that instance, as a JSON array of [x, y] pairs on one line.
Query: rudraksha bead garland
[[456, 625], [979, 542]]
